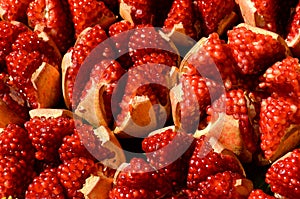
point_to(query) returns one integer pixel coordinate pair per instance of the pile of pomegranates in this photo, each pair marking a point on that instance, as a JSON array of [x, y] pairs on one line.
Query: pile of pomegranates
[[174, 99]]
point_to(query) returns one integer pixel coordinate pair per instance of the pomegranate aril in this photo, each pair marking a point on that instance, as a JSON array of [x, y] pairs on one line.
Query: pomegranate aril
[[211, 13], [89, 13], [46, 135], [46, 184], [254, 52], [50, 16], [73, 173], [276, 115], [283, 175], [14, 141], [181, 13]]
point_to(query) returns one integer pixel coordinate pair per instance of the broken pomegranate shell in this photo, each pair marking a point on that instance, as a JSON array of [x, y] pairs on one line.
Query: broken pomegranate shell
[[74, 59], [99, 184], [13, 108], [95, 103], [231, 125]]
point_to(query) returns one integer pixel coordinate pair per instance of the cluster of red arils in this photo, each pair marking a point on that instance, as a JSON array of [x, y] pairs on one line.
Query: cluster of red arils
[[203, 103]]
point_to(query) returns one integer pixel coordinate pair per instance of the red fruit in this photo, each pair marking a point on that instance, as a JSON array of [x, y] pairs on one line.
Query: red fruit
[[170, 150], [47, 184], [15, 176], [181, 18], [281, 79], [75, 57], [207, 161], [140, 177], [73, 173], [83, 143], [226, 185], [146, 40], [8, 34], [283, 176], [254, 52], [267, 14], [14, 10], [212, 13], [38, 41], [46, 135], [90, 13], [197, 94], [98, 93], [137, 12], [276, 117], [119, 32], [293, 34], [21, 66], [50, 17], [14, 141], [259, 194]]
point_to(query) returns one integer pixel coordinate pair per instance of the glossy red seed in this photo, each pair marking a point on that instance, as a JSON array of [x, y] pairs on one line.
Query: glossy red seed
[[283, 176]]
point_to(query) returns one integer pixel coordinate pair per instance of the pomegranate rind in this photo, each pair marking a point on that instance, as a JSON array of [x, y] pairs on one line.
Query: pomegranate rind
[[91, 107], [97, 187], [46, 82], [141, 119], [227, 22], [50, 112], [229, 136], [8, 116], [66, 63], [110, 142], [289, 141], [125, 11]]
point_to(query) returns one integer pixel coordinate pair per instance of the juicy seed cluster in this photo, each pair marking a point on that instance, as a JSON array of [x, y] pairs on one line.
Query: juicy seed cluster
[[269, 10], [140, 11], [205, 162], [282, 78], [276, 115], [48, 140], [254, 52], [46, 184], [139, 178], [259, 194], [56, 24], [182, 13], [15, 176], [14, 141], [83, 143], [72, 174], [283, 176], [212, 12], [79, 53], [89, 13], [119, 32]]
